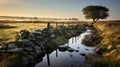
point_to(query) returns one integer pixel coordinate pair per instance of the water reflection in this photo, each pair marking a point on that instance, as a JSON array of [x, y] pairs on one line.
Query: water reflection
[[66, 58], [48, 59], [56, 53]]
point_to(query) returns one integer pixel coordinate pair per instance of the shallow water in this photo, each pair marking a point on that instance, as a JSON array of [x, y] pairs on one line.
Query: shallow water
[[68, 59]]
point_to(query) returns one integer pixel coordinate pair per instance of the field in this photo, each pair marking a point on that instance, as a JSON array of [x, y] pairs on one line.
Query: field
[[9, 30], [108, 30]]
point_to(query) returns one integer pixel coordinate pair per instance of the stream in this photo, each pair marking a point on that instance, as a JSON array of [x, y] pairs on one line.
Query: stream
[[68, 59]]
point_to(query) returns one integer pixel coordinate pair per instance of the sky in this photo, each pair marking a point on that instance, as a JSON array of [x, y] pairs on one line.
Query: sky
[[56, 8]]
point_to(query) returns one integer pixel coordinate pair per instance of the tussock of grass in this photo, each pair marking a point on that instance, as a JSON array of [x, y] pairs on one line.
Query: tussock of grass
[[110, 59], [106, 62], [110, 33]]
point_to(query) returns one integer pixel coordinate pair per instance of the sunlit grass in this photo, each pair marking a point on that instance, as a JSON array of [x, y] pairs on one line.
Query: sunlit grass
[[110, 32], [11, 29], [109, 59], [9, 34]]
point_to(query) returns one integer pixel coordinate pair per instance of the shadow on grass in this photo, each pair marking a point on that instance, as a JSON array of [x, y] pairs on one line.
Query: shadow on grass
[[6, 26]]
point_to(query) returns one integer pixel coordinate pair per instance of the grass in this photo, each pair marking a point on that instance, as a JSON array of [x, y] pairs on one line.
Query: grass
[[110, 33], [9, 30], [109, 59], [10, 60], [106, 62], [9, 34], [91, 40]]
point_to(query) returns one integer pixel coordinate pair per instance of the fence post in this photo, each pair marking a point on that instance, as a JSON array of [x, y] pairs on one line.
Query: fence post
[[68, 24], [48, 26], [63, 23], [76, 23], [56, 24]]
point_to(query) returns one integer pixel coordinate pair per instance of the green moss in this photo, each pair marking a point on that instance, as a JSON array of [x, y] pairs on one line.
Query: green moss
[[55, 42], [60, 39]]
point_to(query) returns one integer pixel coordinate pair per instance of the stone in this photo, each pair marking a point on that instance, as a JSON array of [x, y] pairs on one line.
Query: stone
[[70, 49], [42, 46], [87, 27], [45, 40], [109, 47], [38, 38], [24, 61], [100, 50], [25, 53], [52, 35], [33, 54], [24, 43], [28, 49], [11, 50], [15, 50], [86, 49], [31, 37], [45, 34], [12, 46], [37, 50], [63, 47], [31, 58], [86, 56], [24, 34], [36, 32], [38, 42], [3, 46], [0, 47], [76, 50], [82, 54]]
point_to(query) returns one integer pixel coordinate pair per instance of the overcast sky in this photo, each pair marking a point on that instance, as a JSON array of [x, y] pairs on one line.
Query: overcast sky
[[55, 8]]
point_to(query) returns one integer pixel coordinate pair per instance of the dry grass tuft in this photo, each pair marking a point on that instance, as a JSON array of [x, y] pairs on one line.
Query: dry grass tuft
[[110, 32]]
